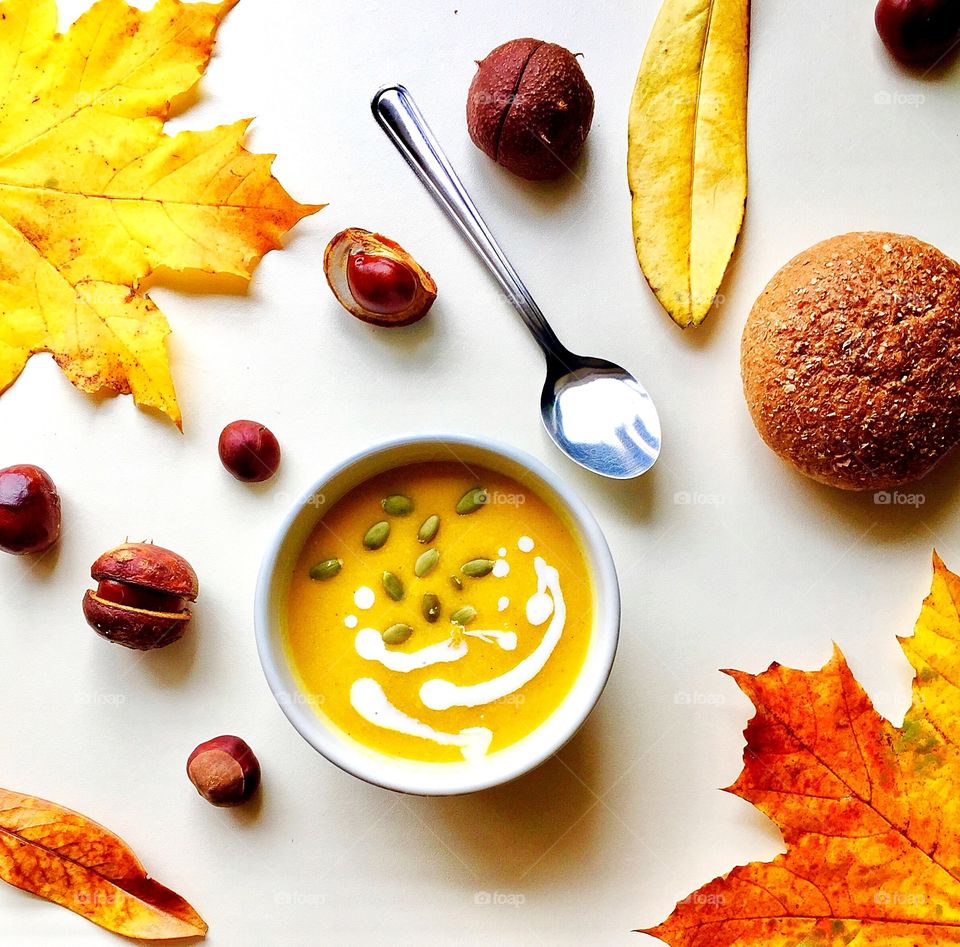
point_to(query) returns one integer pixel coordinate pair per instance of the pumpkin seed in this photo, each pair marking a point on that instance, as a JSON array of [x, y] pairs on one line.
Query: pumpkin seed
[[393, 586], [471, 501], [464, 615], [426, 563], [477, 568], [397, 634], [326, 569], [377, 535], [431, 607], [456, 582], [397, 505], [428, 531]]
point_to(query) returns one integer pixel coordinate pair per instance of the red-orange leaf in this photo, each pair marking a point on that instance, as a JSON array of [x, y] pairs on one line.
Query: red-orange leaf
[[868, 811], [66, 858]]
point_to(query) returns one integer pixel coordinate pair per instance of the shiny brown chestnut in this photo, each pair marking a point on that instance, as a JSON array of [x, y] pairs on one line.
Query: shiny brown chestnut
[[918, 32], [376, 280], [249, 451], [380, 284], [29, 510], [224, 770], [141, 596]]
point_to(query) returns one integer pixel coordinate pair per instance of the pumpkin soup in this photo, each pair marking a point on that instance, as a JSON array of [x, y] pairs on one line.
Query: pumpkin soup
[[439, 613]]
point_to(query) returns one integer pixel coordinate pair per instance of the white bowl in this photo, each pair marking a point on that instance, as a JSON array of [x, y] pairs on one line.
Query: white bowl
[[435, 779]]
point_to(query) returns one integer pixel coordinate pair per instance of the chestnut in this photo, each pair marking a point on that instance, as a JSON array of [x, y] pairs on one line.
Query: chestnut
[[249, 450], [381, 284], [224, 770], [530, 108], [29, 510], [376, 280], [141, 596], [918, 32]]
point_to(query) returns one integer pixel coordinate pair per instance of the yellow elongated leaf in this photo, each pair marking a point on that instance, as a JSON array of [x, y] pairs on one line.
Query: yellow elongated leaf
[[68, 859], [687, 158], [94, 196]]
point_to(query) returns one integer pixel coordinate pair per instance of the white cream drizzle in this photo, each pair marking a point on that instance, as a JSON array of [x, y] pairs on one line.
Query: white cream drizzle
[[502, 551], [351, 621], [501, 568], [370, 645], [364, 597], [525, 544], [369, 700], [438, 694], [503, 604], [539, 608], [506, 639]]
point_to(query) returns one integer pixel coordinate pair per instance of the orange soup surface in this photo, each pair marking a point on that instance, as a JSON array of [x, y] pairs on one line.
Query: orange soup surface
[[495, 655]]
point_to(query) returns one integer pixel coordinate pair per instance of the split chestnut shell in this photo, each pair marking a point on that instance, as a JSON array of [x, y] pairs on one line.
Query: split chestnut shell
[[376, 280], [140, 601]]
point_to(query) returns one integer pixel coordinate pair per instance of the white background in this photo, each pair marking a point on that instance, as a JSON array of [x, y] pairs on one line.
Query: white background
[[759, 564]]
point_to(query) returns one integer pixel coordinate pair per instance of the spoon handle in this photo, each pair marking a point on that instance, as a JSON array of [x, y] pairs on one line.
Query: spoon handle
[[398, 115]]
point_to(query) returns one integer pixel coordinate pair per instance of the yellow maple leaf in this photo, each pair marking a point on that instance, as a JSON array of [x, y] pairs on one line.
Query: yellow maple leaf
[[94, 196], [869, 812]]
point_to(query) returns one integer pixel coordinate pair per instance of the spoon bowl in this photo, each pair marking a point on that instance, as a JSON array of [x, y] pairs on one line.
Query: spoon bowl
[[600, 416], [597, 413]]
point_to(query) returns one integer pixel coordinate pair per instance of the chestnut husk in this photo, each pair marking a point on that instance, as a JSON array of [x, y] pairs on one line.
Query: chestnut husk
[[131, 627], [356, 240], [530, 108], [150, 567]]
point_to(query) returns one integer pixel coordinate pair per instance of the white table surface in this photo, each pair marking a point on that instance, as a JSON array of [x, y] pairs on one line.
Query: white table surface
[[726, 558]]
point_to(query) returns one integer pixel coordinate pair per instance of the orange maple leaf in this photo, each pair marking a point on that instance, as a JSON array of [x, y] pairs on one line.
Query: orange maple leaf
[[94, 197], [868, 811]]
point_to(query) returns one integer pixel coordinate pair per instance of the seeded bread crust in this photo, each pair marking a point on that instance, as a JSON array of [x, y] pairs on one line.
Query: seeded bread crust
[[851, 360]]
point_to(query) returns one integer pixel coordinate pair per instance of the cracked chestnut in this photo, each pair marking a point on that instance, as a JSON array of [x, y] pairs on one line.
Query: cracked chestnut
[[141, 597], [376, 280], [29, 510], [530, 108], [224, 770]]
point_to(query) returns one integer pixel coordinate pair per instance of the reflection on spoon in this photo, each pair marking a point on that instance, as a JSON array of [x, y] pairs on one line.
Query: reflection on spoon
[[604, 417]]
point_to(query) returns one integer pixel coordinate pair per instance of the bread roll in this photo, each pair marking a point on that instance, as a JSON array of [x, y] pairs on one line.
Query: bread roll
[[851, 360]]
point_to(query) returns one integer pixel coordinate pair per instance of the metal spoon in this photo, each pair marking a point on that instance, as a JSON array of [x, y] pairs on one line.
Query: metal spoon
[[597, 413]]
